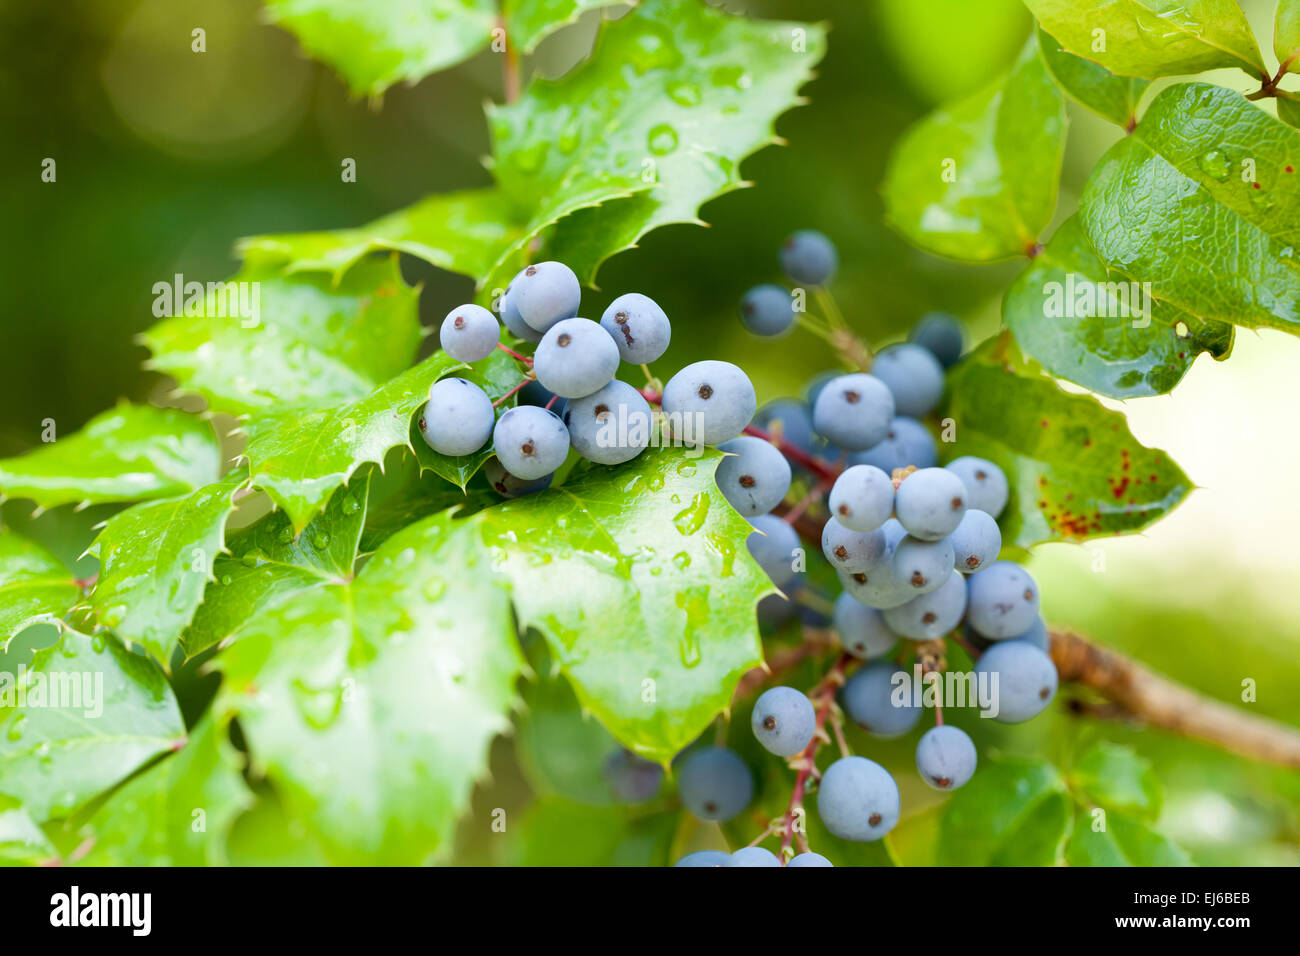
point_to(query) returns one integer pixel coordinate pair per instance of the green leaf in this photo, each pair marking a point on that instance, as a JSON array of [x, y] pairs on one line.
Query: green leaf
[[531, 21], [178, 812], [1014, 812], [89, 713], [267, 564], [1188, 167], [1109, 96], [466, 232], [370, 706], [557, 832], [675, 95], [1286, 35], [497, 375], [1115, 777], [155, 562], [1091, 325], [35, 586], [1288, 107], [22, 842], [977, 179], [300, 458], [1153, 37], [639, 578], [373, 45], [402, 494], [130, 453], [313, 345], [1075, 470], [1124, 842]]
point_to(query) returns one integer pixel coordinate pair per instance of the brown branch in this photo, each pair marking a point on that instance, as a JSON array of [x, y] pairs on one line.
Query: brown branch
[[1159, 702], [783, 660]]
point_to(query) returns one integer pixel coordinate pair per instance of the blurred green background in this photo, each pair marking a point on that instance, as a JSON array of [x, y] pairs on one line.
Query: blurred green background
[[165, 157]]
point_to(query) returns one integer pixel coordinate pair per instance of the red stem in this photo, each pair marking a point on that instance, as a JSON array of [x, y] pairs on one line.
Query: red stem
[[521, 384], [823, 696], [821, 469], [527, 360]]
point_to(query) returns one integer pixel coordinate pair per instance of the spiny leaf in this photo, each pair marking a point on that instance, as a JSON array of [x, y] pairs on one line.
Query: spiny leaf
[[1115, 777], [977, 179], [677, 93], [1153, 37], [153, 820], [1075, 470], [130, 453], [371, 705], [85, 714], [1014, 812], [1123, 842], [1206, 171], [35, 586], [402, 494], [528, 22], [299, 458], [1109, 96], [268, 564], [652, 552], [1091, 325], [156, 560], [313, 345]]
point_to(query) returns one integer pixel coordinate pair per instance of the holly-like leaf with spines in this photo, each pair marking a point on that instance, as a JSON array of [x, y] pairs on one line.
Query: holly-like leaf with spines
[[301, 458], [1116, 778], [150, 821], [977, 179], [1097, 328], [1153, 38], [1123, 842], [371, 705], [156, 560], [679, 93], [35, 586], [403, 493], [1074, 468], [129, 453], [1209, 171], [1013, 812], [652, 551], [1286, 35], [89, 713], [267, 564], [314, 343], [1109, 96]]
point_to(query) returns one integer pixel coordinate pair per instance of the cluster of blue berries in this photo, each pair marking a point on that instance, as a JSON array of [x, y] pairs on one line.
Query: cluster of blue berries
[[915, 547], [571, 398]]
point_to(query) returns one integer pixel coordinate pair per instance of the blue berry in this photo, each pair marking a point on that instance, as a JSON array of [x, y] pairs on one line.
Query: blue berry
[[880, 588], [1026, 679], [986, 484], [923, 565], [1003, 600], [817, 384], [808, 859], [942, 335], [638, 326], [512, 486], [469, 333], [790, 418], [458, 418], [976, 541], [632, 779], [862, 629], [930, 503], [545, 293], [931, 615], [753, 856], [857, 799], [575, 358], [853, 412], [852, 551], [705, 858], [907, 443], [1037, 635], [913, 375], [530, 442], [809, 258], [754, 477], [610, 426], [783, 720], [513, 321], [869, 700], [709, 402], [715, 784], [862, 498], [945, 757], [767, 310], [774, 545]]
